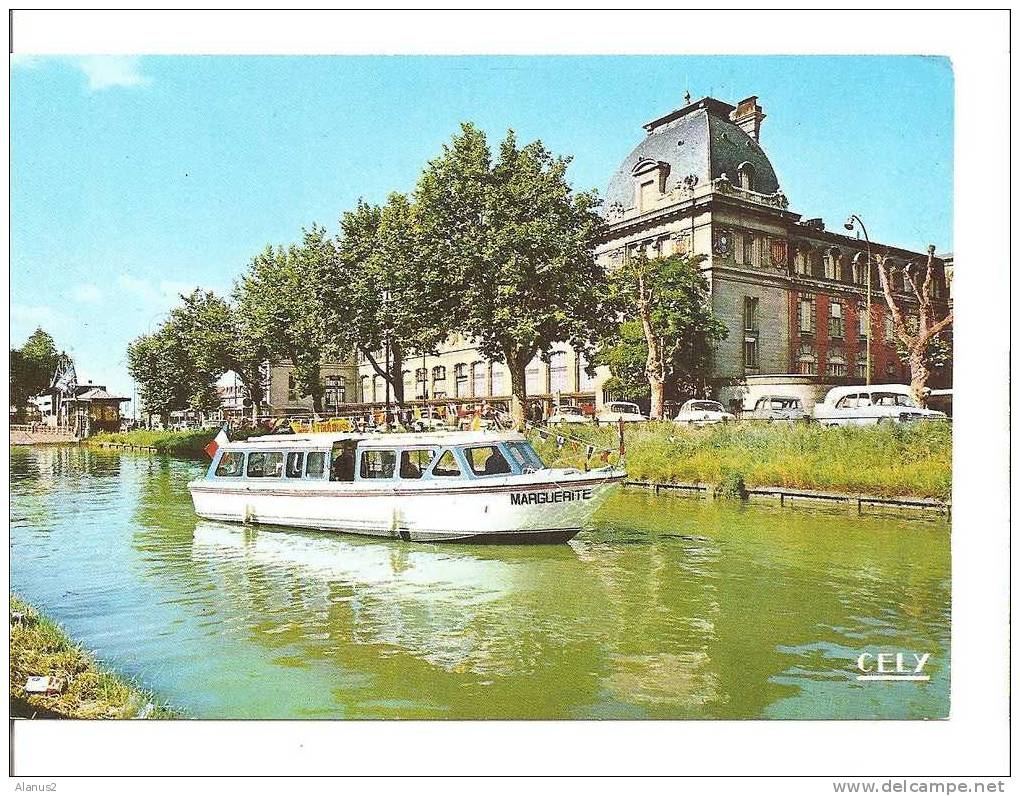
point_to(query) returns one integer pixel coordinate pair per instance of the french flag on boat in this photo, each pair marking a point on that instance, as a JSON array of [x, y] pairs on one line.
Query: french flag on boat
[[220, 439]]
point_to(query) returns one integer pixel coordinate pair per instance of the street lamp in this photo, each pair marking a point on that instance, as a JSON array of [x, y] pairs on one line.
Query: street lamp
[[849, 225], [386, 314]]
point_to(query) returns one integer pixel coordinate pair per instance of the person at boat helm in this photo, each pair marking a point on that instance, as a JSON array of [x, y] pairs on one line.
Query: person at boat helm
[[342, 466]]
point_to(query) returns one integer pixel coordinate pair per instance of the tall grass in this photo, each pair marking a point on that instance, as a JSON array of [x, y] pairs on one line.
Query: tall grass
[[179, 443], [896, 460], [40, 648]]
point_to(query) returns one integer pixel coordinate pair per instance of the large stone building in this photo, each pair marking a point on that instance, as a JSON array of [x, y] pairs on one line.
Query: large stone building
[[790, 292]]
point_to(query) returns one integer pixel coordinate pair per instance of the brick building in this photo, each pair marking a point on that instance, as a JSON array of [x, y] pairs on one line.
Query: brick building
[[791, 293]]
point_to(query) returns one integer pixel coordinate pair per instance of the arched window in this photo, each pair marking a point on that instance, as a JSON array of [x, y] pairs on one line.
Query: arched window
[[861, 365], [817, 267], [829, 260], [532, 378], [558, 372], [745, 175], [460, 380], [807, 360], [649, 183], [835, 363], [860, 265], [439, 381], [500, 385], [478, 380], [800, 260], [334, 392]]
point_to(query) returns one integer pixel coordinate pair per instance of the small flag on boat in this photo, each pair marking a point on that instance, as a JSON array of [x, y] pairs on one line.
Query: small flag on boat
[[220, 439]]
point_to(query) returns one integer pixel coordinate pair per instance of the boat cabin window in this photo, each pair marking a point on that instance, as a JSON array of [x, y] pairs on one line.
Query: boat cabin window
[[447, 466], [487, 460], [341, 467], [295, 464], [265, 465], [231, 465], [315, 464], [525, 455], [378, 463], [414, 463]]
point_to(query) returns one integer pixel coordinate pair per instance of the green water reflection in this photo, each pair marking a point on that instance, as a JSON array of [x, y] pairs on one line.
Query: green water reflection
[[669, 608]]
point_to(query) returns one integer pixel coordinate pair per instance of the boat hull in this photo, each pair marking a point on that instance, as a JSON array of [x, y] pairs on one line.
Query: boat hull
[[545, 510]]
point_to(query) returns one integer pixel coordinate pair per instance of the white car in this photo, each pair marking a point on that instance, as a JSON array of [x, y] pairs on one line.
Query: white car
[[777, 409], [699, 412], [867, 405], [615, 411], [568, 414]]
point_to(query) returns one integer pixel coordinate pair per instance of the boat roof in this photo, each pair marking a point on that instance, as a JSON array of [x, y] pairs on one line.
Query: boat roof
[[326, 439]]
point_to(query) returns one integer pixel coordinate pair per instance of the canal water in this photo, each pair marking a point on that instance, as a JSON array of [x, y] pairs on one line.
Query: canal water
[[670, 608]]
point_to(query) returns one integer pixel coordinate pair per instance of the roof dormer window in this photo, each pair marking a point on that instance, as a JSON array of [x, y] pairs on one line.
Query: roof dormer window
[[649, 183], [745, 175]]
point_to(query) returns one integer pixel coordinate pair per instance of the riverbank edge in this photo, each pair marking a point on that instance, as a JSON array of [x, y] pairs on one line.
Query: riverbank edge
[[189, 445], [786, 497], [40, 647]]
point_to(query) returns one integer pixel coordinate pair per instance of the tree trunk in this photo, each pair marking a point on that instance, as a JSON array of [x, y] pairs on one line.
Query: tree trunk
[[653, 365], [518, 389], [658, 387], [396, 377], [919, 373]]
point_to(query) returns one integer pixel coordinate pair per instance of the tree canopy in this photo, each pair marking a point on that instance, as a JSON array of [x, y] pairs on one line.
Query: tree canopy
[[667, 299], [519, 245], [32, 367], [280, 308]]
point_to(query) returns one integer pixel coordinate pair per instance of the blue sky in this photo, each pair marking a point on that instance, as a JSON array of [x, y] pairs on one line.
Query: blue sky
[[134, 179]]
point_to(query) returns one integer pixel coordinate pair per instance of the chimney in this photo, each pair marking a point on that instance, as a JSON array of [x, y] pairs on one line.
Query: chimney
[[748, 116]]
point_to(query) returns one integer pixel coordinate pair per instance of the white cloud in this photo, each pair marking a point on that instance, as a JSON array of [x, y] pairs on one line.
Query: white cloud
[[105, 71], [160, 295], [87, 294], [101, 71], [33, 315]]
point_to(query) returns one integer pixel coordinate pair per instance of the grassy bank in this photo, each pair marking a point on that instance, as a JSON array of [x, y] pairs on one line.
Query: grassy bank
[[40, 648], [889, 461], [177, 443]]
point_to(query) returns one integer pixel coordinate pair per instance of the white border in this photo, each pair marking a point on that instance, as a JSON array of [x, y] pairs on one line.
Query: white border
[[972, 742]]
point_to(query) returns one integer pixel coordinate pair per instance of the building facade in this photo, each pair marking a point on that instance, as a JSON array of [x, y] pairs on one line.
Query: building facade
[[791, 293]]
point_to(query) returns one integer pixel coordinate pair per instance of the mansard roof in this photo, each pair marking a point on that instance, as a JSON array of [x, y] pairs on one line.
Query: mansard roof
[[695, 142]]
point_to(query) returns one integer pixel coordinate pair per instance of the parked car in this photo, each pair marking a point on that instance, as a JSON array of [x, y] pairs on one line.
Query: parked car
[[615, 411], [941, 400], [568, 414], [778, 408], [867, 405], [700, 412]]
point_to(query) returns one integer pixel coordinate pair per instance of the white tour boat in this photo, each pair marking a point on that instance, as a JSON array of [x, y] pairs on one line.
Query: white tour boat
[[452, 486]]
